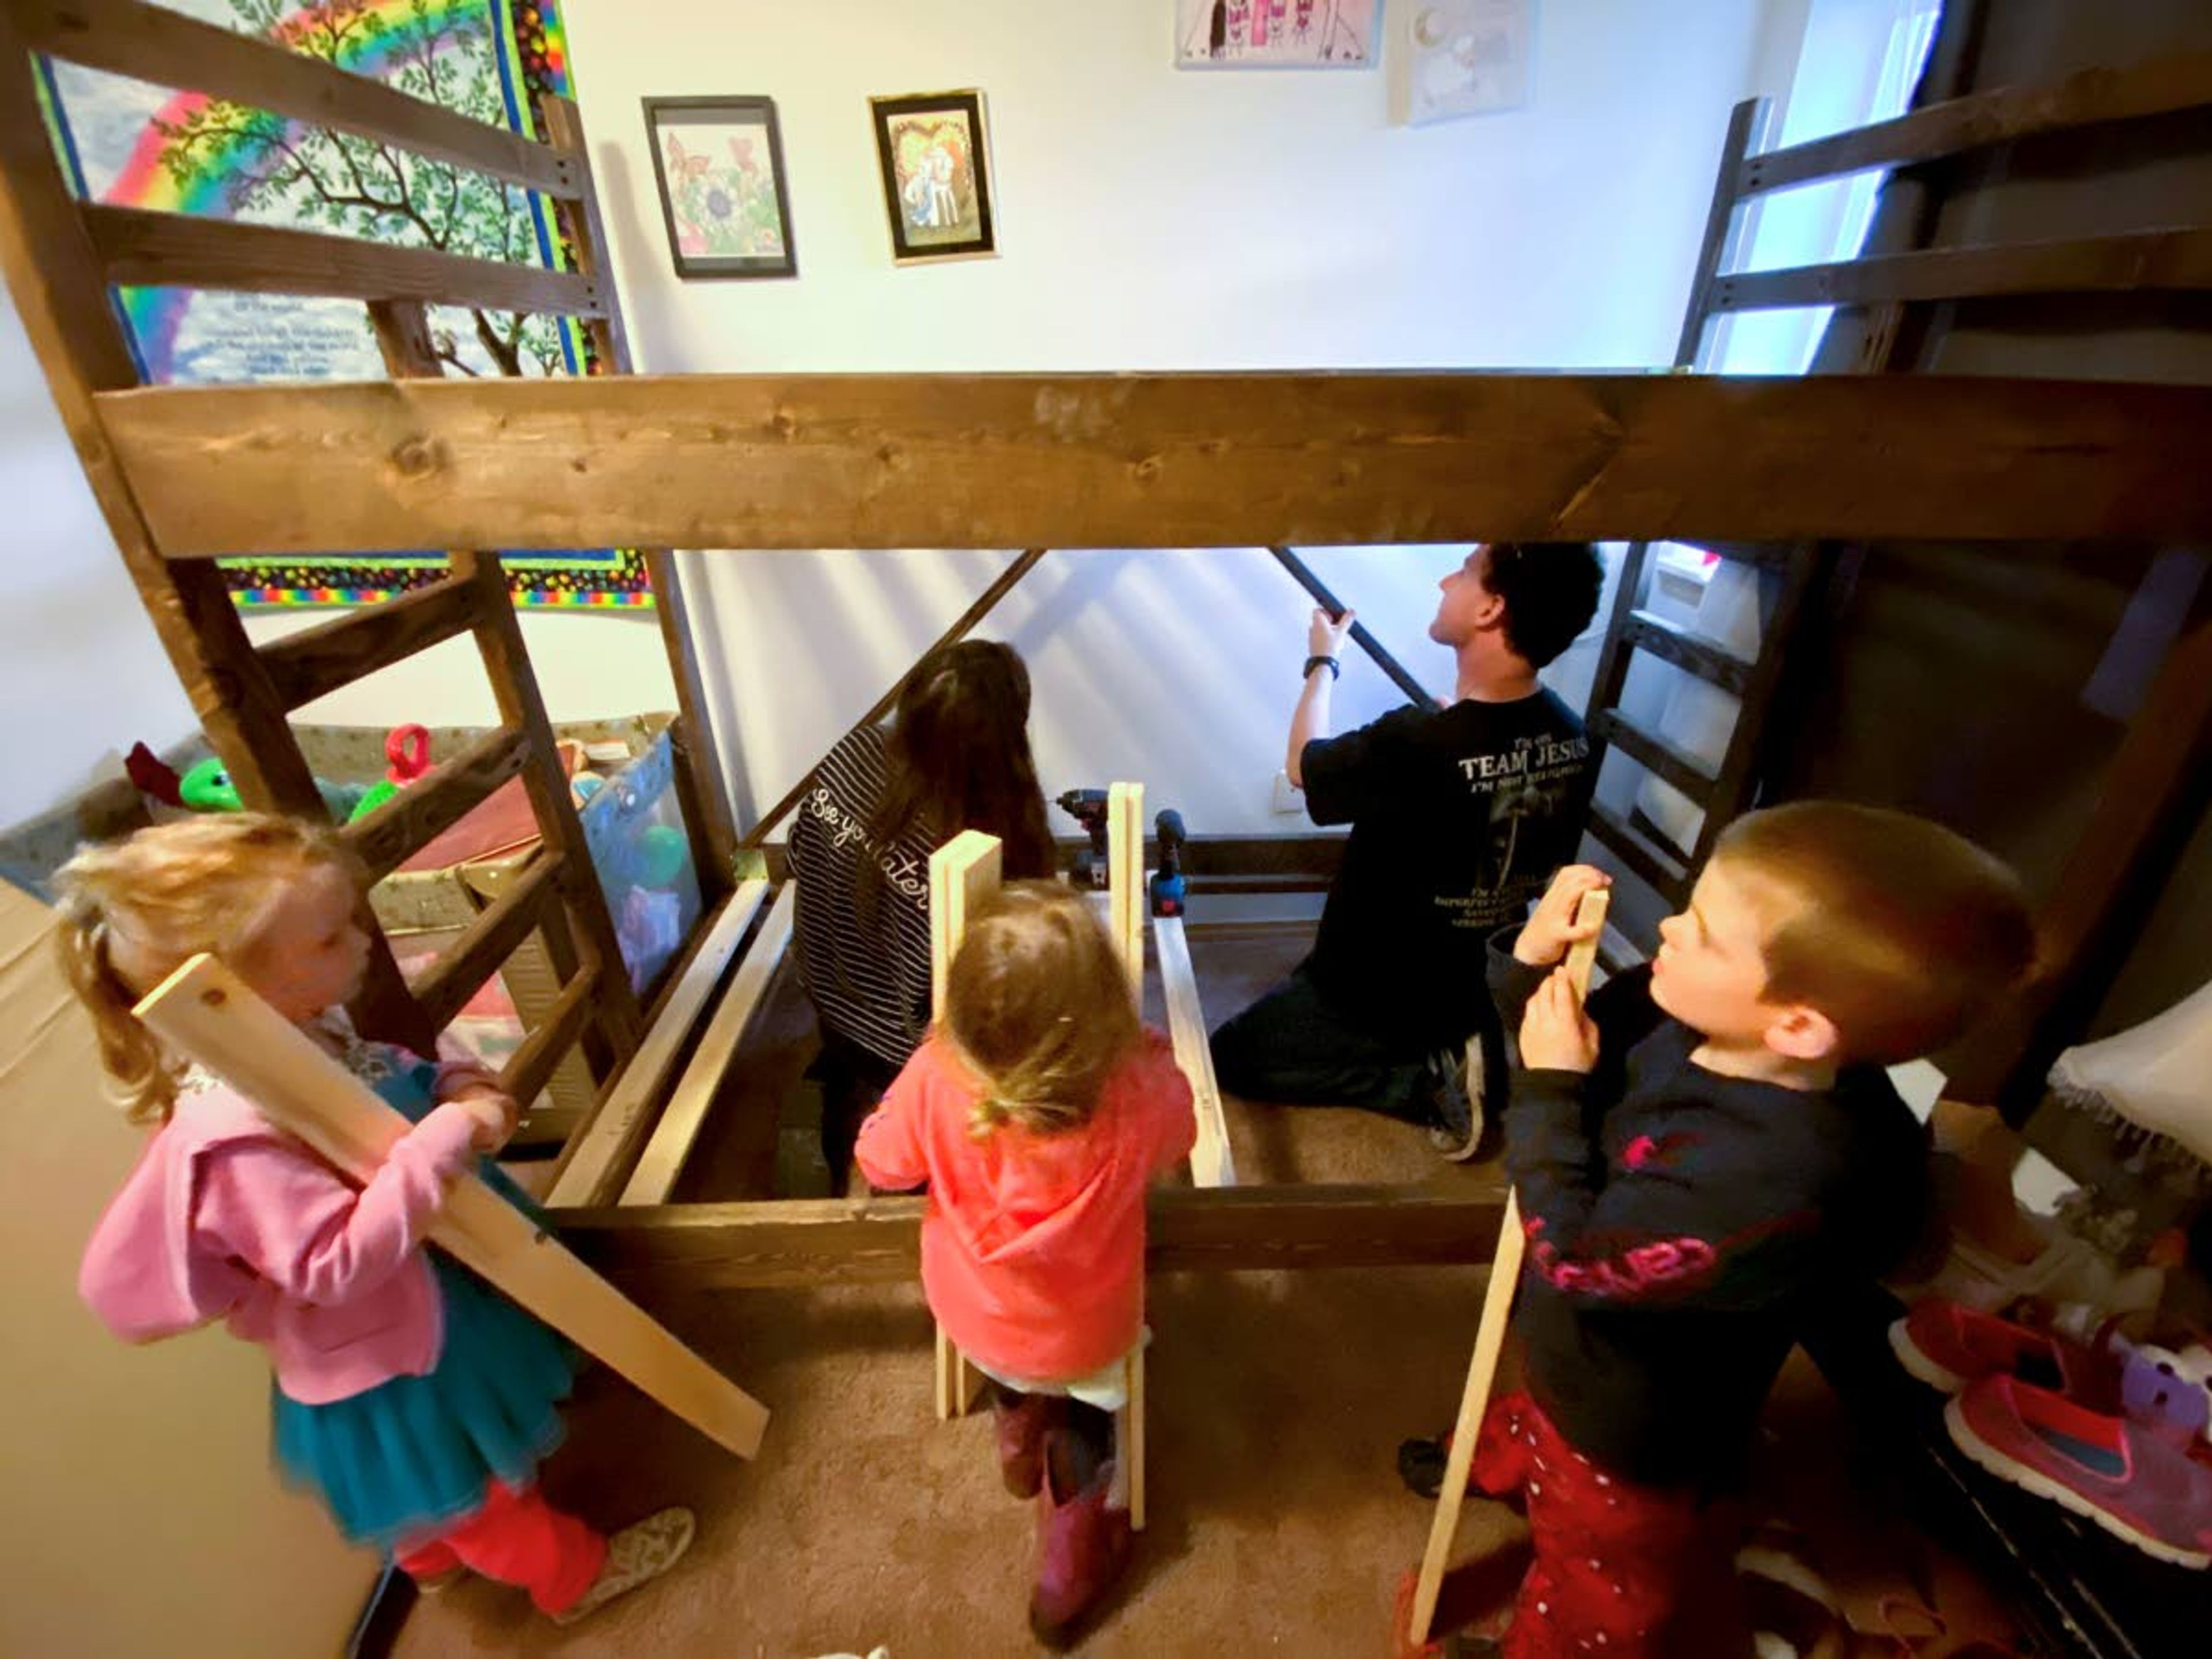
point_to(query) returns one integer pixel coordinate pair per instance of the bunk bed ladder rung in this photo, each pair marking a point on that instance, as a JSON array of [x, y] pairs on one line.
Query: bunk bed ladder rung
[[445, 988], [317, 661]]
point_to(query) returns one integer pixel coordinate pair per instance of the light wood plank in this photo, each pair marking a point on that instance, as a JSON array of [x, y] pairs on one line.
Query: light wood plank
[[1490, 1333], [680, 1249], [407, 823], [176, 250], [317, 661], [444, 988], [2151, 260], [598, 1156], [1159, 461], [677, 1129], [2183, 81], [209, 1013], [1125, 878], [962, 873], [1211, 1164], [151, 43]]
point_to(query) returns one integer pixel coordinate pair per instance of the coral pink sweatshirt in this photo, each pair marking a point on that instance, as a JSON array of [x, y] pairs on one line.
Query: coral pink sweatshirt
[[1033, 1245]]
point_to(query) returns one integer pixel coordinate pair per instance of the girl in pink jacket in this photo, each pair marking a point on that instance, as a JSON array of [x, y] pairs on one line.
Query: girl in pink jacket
[[1038, 1111], [415, 1400]]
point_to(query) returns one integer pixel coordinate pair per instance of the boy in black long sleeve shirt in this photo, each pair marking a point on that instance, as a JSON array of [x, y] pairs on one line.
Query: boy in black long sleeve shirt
[[1700, 1156]]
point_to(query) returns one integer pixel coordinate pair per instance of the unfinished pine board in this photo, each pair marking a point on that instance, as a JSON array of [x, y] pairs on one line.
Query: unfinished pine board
[[1490, 1334], [1129, 1439], [678, 1248], [962, 873], [1211, 1165], [654, 1178], [2093, 96], [2179, 260], [1157, 460], [151, 43], [210, 1014], [598, 1156], [1125, 878]]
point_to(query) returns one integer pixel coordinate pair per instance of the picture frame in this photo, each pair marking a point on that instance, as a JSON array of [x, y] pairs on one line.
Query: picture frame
[[933, 151], [1284, 34], [725, 198]]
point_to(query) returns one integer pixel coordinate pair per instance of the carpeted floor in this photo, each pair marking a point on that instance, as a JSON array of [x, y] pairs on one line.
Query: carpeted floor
[[1277, 1404]]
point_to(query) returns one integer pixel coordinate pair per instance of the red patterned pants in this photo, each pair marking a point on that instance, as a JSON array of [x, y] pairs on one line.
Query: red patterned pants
[[516, 1538], [1624, 1571]]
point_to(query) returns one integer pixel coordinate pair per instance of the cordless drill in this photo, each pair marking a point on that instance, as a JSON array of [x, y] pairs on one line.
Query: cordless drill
[[1168, 887], [1088, 807]]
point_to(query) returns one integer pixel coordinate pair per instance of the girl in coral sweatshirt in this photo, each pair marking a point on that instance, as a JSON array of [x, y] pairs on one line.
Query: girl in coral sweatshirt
[[1038, 1111]]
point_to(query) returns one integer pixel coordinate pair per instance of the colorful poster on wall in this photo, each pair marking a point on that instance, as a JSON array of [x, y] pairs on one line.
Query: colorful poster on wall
[[1216, 34], [1462, 57], [129, 144]]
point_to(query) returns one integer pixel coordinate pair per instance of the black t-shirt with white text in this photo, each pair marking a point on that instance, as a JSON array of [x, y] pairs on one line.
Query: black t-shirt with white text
[[1459, 817]]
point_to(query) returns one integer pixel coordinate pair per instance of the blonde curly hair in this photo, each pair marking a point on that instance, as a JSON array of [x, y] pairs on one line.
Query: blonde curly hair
[[134, 910], [1038, 1005]]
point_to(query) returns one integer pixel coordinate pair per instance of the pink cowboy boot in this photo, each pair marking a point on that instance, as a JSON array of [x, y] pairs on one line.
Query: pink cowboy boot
[[1083, 1544]]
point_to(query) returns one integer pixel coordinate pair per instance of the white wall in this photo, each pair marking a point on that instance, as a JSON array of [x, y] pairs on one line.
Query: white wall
[[81, 674], [1151, 218]]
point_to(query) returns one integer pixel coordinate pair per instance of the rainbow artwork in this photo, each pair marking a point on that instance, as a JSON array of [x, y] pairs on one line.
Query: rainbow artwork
[[112, 138]]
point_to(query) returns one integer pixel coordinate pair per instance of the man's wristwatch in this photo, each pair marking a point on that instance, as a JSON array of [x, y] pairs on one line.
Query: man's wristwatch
[[1335, 669]]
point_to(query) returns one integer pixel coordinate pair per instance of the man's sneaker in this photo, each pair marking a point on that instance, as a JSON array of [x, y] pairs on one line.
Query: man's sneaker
[[636, 1555], [2104, 1469], [1455, 1078]]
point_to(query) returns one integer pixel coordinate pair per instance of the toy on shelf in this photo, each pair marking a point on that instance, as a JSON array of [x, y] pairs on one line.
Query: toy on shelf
[[407, 756], [206, 788]]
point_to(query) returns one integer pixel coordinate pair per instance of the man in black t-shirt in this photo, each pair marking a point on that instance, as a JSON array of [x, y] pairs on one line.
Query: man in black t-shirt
[[1459, 815]]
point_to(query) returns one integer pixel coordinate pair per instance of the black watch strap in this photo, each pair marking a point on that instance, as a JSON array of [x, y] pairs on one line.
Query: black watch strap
[[1335, 669]]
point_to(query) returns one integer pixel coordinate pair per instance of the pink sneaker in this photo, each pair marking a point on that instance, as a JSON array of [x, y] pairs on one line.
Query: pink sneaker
[[1947, 1346], [2103, 1468]]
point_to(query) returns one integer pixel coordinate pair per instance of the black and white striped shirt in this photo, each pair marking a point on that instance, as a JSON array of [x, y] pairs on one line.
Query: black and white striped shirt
[[868, 975]]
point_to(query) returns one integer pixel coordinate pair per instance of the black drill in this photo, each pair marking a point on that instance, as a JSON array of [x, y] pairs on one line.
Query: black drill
[[1088, 808]]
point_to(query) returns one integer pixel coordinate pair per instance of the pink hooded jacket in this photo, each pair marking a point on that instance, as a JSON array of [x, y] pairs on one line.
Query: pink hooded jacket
[[1033, 1246], [224, 1215]]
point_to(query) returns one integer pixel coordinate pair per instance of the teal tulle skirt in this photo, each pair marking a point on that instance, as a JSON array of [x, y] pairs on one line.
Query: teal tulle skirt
[[414, 1454]]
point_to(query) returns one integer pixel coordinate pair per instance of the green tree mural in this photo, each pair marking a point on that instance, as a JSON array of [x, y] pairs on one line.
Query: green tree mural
[[314, 178]]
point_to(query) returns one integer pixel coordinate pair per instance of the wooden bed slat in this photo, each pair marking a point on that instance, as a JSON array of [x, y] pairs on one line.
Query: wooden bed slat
[[802, 1242], [444, 988], [318, 660], [673, 1136], [2087, 98], [151, 43], [2176, 259], [178, 250], [407, 823], [1157, 460]]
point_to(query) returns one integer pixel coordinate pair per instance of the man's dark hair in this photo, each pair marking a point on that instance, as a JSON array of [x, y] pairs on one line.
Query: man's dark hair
[[1550, 593]]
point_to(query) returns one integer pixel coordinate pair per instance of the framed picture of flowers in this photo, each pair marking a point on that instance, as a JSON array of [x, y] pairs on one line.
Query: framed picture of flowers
[[937, 175], [719, 163]]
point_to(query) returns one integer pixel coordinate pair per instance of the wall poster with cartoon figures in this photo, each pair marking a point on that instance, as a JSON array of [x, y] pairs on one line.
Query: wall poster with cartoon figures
[[127, 143], [937, 183], [1211, 34], [719, 165]]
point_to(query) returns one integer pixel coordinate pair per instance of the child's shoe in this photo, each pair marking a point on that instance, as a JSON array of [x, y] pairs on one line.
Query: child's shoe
[[2106, 1469], [1948, 1346], [1082, 1544], [636, 1555], [1021, 1429]]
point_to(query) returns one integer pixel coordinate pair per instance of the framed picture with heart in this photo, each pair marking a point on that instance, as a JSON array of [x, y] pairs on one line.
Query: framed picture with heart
[[937, 175]]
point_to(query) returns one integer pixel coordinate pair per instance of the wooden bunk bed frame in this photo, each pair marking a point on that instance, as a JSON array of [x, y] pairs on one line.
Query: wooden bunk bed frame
[[184, 475]]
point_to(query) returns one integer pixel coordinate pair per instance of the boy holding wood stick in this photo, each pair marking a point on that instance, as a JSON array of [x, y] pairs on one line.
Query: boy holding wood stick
[[1700, 1154]]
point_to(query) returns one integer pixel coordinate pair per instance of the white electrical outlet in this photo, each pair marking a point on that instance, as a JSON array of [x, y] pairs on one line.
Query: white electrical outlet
[[1289, 798]]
